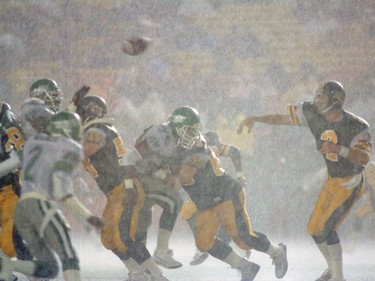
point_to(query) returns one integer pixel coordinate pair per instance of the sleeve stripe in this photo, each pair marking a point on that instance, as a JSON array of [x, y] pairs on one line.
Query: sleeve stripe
[[293, 114]]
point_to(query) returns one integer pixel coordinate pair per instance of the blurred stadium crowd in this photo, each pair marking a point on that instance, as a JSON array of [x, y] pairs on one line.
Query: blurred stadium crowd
[[227, 58]]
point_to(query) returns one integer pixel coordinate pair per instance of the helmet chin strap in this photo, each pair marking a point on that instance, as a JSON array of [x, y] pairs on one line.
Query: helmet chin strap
[[326, 110]]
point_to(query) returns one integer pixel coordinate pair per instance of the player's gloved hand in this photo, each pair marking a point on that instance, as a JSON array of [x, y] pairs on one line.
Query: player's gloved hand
[[96, 222], [130, 198], [80, 94]]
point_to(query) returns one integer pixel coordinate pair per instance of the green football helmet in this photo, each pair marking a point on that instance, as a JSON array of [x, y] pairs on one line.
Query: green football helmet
[[186, 123], [65, 123], [47, 91], [335, 92]]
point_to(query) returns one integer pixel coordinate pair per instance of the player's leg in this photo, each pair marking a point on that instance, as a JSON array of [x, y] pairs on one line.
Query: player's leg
[[56, 236], [135, 248], [236, 222], [333, 205], [22, 252], [170, 200], [207, 224], [29, 217], [8, 202], [187, 213], [199, 256]]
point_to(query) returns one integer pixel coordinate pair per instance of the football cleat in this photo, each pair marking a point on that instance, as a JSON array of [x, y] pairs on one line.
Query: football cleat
[[199, 257], [325, 276], [248, 270], [138, 276], [5, 267], [159, 277], [165, 259], [280, 261]]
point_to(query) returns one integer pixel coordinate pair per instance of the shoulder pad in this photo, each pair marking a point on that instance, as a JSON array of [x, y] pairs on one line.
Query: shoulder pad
[[5, 106]]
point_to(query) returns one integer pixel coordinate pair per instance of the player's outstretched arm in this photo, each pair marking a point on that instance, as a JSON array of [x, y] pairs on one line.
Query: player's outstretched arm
[[271, 119]]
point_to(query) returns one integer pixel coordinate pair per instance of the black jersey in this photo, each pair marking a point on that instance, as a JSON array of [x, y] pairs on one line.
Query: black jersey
[[212, 185], [11, 139], [105, 165], [351, 131]]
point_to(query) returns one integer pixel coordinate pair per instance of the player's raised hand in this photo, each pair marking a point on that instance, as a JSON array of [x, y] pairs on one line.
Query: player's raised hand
[[80, 94], [249, 122]]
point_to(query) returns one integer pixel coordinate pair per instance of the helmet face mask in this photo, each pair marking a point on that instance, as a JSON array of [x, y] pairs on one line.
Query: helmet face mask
[[188, 135], [67, 124], [92, 107], [47, 91], [330, 95], [185, 122]]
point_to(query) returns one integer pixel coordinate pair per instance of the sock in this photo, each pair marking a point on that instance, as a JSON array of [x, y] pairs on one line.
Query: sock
[[163, 240], [323, 247], [132, 265], [272, 250], [233, 259], [335, 251]]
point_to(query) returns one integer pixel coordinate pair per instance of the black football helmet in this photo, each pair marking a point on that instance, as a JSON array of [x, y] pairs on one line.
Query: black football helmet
[[335, 93], [92, 107]]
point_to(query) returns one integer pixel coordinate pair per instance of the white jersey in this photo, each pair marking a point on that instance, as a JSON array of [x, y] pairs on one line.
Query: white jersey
[[161, 144], [45, 155], [160, 140]]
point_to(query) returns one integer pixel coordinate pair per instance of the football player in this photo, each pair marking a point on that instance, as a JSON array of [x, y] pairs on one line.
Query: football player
[[189, 209], [219, 198], [44, 100], [343, 139], [155, 145], [12, 142], [50, 162], [104, 149]]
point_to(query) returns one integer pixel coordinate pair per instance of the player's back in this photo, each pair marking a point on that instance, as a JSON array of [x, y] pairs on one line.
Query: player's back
[[43, 155]]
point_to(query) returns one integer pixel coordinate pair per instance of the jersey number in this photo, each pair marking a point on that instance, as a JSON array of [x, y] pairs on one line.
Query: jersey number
[[120, 151], [35, 154], [15, 139], [330, 135]]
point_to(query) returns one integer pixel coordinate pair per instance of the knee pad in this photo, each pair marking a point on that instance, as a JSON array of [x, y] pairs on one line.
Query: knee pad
[[137, 251]]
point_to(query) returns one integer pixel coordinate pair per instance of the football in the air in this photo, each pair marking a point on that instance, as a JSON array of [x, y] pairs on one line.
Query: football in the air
[[134, 46]]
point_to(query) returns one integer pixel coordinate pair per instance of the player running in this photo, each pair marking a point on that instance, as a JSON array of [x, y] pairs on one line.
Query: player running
[[50, 162]]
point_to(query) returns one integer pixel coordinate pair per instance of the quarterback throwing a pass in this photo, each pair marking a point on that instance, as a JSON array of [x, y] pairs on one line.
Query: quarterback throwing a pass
[[343, 139]]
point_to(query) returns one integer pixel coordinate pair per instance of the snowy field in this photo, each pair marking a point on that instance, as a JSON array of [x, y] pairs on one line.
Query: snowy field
[[305, 262]]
